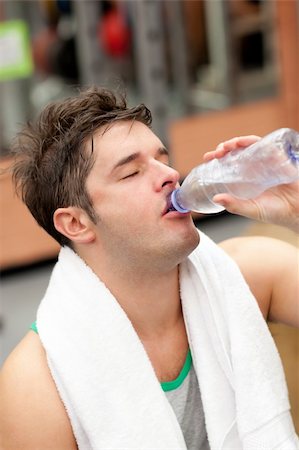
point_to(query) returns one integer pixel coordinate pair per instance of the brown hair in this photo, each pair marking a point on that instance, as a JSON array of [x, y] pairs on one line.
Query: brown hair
[[51, 160]]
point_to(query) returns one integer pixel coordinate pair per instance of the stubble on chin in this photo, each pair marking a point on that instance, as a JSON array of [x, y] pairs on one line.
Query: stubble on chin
[[181, 248], [191, 241]]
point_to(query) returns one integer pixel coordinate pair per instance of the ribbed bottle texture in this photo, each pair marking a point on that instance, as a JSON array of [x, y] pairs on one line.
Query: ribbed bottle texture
[[245, 174]]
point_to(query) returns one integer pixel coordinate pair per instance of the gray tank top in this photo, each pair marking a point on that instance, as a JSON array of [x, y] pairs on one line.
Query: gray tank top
[[187, 405]]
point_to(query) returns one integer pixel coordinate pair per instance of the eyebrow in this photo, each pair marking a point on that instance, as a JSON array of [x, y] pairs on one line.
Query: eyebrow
[[127, 159]]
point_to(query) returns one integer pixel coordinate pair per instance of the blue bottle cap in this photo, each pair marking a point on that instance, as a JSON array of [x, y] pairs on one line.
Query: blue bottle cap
[[175, 203]]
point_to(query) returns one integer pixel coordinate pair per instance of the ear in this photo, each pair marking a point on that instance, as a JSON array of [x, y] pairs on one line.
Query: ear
[[74, 223]]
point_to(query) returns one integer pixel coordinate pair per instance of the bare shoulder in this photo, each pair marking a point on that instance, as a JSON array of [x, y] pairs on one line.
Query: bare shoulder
[[270, 267], [31, 412], [245, 249]]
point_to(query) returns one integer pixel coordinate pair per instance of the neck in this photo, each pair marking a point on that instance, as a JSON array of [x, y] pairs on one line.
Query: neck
[[152, 303]]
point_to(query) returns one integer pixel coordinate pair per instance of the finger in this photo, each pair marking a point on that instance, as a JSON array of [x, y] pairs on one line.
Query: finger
[[221, 150], [217, 153], [243, 141], [236, 143], [246, 208], [209, 155]]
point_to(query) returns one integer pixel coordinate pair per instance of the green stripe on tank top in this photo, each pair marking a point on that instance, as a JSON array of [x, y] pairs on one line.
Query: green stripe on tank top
[[166, 385], [34, 327], [174, 384]]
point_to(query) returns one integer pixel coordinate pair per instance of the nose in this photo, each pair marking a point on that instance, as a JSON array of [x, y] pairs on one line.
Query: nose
[[165, 176]]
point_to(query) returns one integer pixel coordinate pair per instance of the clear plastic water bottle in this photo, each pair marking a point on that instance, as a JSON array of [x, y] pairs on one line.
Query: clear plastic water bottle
[[245, 173]]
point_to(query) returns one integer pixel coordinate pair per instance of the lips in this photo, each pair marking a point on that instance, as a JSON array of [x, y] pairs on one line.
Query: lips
[[169, 207]]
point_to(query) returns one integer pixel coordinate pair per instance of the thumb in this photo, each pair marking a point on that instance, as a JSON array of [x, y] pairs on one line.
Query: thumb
[[246, 208]]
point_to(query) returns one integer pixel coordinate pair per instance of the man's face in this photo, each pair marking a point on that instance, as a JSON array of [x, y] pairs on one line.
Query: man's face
[[129, 186]]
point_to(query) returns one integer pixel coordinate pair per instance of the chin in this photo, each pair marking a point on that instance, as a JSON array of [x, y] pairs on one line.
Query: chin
[[190, 236], [185, 244], [191, 241]]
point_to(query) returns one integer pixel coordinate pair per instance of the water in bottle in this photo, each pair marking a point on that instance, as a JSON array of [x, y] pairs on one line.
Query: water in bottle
[[245, 174]]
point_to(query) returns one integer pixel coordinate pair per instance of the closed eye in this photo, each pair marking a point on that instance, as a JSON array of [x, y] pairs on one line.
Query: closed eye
[[131, 175]]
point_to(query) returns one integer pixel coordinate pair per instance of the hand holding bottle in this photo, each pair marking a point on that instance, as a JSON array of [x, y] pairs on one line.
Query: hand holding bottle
[[278, 205]]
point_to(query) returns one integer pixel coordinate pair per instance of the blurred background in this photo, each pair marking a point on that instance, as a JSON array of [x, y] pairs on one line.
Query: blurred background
[[208, 70]]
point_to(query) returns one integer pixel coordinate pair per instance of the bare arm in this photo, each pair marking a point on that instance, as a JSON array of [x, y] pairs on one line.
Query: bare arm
[[32, 416], [271, 269]]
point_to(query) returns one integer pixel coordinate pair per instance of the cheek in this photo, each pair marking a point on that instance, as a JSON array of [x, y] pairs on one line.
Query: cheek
[[126, 206], [132, 201], [130, 219]]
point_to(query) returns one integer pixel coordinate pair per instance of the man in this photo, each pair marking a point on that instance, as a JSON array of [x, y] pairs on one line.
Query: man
[[137, 293]]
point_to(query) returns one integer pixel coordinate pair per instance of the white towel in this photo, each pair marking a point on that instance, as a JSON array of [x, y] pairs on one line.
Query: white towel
[[108, 384], [239, 370]]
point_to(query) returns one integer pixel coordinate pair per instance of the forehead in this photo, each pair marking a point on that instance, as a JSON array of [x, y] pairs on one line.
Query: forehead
[[121, 139]]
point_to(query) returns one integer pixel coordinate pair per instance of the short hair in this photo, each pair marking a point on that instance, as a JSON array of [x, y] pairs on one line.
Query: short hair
[[51, 161]]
